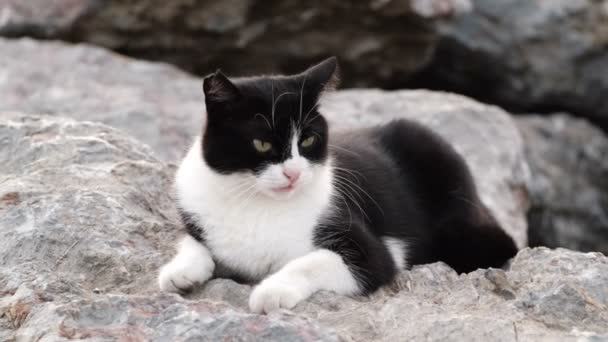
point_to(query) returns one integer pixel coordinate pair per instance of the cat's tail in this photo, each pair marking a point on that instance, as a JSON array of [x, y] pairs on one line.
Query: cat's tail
[[467, 247]]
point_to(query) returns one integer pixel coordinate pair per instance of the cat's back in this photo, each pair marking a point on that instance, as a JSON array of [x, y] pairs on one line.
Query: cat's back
[[421, 159]]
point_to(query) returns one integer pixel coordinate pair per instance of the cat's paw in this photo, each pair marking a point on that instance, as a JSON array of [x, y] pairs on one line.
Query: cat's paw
[[273, 294], [191, 266], [181, 277]]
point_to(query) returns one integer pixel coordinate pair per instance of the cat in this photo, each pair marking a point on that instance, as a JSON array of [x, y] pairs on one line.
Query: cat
[[268, 195]]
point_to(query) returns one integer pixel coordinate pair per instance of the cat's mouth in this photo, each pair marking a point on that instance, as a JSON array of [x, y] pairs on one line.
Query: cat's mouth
[[287, 188]]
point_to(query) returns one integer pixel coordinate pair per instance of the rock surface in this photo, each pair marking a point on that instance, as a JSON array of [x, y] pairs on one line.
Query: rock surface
[[386, 39], [86, 219], [546, 295], [568, 160], [528, 55], [155, 103]]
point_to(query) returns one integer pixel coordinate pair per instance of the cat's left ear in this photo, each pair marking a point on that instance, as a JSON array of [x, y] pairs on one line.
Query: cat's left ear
[[219, 89], [324, 76]]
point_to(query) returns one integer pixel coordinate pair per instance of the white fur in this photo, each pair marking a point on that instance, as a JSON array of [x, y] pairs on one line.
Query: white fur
[[246, 228], [301, 277], [191, 266], [397, 248]]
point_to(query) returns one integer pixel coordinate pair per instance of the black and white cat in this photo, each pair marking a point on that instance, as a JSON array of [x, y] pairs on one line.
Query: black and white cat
[[269, 195]]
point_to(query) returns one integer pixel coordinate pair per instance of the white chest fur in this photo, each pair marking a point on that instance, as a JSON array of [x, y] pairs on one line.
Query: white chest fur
[[250, 232]]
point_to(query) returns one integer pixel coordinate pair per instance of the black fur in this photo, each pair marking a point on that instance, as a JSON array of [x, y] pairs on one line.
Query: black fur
[[397, 180], [411, 184], [264, 108]]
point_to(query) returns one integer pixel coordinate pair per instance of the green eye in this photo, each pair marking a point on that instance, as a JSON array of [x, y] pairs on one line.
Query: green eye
[[261, 146], [308, 141]]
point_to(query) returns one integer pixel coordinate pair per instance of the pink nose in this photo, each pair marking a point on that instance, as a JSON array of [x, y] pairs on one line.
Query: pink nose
[[292, 174]]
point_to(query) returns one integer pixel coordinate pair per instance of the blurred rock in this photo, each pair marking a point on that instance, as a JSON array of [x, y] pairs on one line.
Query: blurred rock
[[164, 108], [377, 40], [154, 102], [568, 159], [527, 56]]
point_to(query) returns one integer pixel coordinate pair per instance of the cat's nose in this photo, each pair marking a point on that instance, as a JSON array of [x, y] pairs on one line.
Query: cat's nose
[[292, 174]]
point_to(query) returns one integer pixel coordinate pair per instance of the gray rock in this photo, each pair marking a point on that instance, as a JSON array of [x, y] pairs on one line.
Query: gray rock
[[84, 199], [164, 108], [86, 218], [528, 55], [155, 103], [568, 160], [385, 39]]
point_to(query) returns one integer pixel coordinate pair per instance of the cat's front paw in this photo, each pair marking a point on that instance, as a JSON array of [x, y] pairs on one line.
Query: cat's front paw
[[273, 294], [193, 265], [179, 276]]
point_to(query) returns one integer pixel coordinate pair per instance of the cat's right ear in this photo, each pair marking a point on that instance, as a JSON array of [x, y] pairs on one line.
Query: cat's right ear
[[219, 89]]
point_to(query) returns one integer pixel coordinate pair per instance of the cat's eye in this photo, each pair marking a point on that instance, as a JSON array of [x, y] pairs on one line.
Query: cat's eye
[[308, 141], [262, 146]]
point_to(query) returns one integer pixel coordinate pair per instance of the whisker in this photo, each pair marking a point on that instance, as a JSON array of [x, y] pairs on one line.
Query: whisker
[[301, 96], [352, 198], [349, 171], [246, 195], [243, 192], [263, 117], [364, 192], [277, 100], [272, 105], [311, 109], [343, 149]]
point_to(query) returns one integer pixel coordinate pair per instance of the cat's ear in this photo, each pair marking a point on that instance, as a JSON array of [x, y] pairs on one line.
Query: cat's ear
[[324, 76], [219, 89]]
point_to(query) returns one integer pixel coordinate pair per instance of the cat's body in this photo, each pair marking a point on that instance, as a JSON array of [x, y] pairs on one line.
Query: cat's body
[[269, 195]]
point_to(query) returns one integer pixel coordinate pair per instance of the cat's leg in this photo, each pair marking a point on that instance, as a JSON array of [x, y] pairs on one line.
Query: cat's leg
[[359, 264], [191, 266], [318, 270]]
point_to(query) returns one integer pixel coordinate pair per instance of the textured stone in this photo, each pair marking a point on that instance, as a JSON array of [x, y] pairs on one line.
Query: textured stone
[[155, 103], [86, 218], [84, 199], [568, 160], [386, 39], [528, 55]]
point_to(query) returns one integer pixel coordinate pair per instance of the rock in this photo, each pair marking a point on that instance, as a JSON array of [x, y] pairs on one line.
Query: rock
[[545, 295], [86, 218], [155, 103], [164, 108], [83, 199], [568, 160], [527, 56], [386, 39]]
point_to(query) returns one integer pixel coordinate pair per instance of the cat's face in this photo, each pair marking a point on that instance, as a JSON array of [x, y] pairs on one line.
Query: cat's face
[[265, 133]]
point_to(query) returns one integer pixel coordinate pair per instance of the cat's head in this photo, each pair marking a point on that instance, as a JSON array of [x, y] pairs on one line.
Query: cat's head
[[266, 131]]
